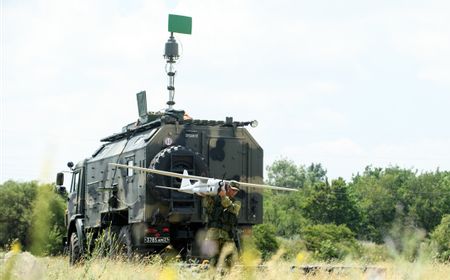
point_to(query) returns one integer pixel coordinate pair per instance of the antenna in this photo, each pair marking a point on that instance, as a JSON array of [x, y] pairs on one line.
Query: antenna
[[177, 24], [142, 106]]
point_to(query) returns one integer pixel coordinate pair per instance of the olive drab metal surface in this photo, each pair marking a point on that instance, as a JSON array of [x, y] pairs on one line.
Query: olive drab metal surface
[[146, 218]]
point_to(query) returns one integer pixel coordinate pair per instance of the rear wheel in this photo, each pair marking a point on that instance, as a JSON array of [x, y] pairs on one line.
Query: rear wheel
[[74, 249]]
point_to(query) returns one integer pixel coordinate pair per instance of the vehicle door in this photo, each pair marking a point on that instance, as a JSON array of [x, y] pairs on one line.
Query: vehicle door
[[74, 199]]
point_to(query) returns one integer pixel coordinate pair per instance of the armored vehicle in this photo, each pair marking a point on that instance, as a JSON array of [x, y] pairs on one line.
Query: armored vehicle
[[126, 203]]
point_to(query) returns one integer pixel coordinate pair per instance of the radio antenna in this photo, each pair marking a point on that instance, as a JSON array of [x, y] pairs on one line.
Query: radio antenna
[[177, 24]]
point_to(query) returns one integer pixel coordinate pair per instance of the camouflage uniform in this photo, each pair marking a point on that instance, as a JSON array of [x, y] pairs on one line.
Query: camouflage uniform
[[222, 215]]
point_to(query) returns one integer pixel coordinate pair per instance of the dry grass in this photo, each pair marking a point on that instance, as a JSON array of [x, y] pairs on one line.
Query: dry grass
[[105, 268], [26, 266]]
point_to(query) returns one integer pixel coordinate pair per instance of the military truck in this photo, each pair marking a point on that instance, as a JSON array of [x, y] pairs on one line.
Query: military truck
[[126, 203]]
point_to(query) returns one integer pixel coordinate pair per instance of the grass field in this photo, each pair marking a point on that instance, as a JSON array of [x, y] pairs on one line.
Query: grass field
[[105, 268]]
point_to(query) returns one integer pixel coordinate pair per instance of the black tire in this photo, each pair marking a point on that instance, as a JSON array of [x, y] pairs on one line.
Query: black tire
[[74, 249], [172, 158]]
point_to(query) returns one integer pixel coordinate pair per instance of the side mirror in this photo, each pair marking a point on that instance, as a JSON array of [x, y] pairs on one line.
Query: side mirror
[[70, 164], [61, 190], [59, 183], [60, 179]]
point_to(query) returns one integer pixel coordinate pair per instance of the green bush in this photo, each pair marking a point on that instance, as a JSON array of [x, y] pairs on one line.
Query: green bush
[[265, 241], [329, 241], [33, 214], [47, 222], [440, 239], [16, 200]]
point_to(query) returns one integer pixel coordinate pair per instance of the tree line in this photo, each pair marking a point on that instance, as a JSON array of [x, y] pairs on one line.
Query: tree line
[[379, 205], [328, 218], [32, 214]]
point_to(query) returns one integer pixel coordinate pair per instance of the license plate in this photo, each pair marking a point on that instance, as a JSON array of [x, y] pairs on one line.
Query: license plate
[[156, 239]]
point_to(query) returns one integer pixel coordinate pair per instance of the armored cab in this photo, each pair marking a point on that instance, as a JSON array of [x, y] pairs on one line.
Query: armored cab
[[130, 206]]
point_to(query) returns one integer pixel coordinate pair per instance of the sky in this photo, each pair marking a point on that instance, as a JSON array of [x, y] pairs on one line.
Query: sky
[[343, 83]]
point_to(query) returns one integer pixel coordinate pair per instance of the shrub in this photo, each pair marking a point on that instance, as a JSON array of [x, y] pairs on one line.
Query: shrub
[[265, 241], [329, 241], [291, 247], [372, 252], [440, 238], [47, 227]]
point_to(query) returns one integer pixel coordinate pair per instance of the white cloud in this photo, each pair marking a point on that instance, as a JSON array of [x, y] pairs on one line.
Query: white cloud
[[416, 151], [72, 69], [322, 87], [342, 147], [423, 34], [437, 74]]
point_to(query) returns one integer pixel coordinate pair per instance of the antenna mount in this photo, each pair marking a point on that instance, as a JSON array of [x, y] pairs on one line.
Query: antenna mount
[[178, 24]]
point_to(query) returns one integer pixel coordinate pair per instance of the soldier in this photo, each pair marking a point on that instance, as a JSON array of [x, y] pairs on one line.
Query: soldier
[[222, 211]]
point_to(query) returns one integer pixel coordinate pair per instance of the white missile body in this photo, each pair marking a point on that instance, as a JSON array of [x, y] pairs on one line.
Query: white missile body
[[203, 185]]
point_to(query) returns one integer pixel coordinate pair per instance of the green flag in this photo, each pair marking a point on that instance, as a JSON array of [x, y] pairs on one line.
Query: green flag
[[180, 24]]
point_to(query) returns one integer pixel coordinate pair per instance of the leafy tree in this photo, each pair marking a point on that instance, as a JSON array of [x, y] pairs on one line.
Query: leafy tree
[[16, 201], [284, 173], [282, 209], [376, 193], [285, 210], [440, 238], [427, 198], [316, 202], [315, 173], [326, 204]]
